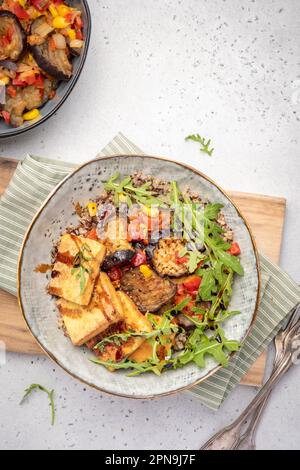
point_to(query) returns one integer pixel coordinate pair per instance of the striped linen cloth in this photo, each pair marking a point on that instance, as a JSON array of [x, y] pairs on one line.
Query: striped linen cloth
[[35, 177]]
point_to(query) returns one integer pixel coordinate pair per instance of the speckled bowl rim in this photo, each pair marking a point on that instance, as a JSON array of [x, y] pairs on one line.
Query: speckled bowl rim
[[40, 212], [14, 132]]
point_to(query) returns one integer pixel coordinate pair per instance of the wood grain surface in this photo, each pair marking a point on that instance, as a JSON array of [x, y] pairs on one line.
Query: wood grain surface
[[265, 215]]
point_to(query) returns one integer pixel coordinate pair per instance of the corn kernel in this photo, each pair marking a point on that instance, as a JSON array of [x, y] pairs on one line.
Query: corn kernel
[[53, 11], [146, 271], [150, 211], [4, 80], [60, 22], [71, 34], [63, 10], [92, 208], [22, 3], [33, 114], [122, 198]]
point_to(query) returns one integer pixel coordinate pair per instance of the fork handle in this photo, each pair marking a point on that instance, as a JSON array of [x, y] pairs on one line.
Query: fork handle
[[219, 440]]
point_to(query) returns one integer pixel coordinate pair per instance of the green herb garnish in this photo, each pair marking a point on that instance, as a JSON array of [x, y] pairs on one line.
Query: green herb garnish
[[80, 269], [205, 144], [50, 394]]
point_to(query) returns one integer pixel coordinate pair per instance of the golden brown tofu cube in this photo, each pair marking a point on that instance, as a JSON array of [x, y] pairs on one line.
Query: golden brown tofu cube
[[134, 320], [76, 269], [83, 323]]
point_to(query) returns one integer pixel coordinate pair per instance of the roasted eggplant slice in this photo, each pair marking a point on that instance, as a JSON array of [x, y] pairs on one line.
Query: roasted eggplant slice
[[12, 37], [150, 293], [27, 98], [54, 61], [166, 258], [118, 259]]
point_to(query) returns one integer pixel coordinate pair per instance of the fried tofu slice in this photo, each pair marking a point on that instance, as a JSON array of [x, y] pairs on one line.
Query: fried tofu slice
[[135, 321], [76, 268], [144, 352], [83, 323]]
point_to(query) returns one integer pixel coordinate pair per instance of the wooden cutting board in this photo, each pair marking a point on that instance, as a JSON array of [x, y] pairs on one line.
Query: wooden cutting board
[[266, 218]]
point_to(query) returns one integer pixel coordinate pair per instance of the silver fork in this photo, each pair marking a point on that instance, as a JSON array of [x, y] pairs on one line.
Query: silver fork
[[232, 437]]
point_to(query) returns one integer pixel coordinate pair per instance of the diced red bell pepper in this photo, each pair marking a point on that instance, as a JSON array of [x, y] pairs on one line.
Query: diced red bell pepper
[[18, 82], [192, 285], [6, 116], [234, 249], [11, 91], [139, 258], [79, 35], [79, 22], [40, 5], [92, 234], [20, 12], [114, 274]]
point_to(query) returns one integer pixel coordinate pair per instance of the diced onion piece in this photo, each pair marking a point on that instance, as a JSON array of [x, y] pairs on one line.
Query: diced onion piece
[[30, 115], [43, 30], [60, 41], [76, 44]]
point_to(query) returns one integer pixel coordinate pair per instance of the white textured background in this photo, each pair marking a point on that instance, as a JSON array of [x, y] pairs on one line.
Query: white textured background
[[158, 70]]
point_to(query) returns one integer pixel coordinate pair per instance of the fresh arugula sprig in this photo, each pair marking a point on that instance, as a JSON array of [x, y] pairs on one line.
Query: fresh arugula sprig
[[139, 194], [80, 268], [50, 394], [205, 144], [199, 345]]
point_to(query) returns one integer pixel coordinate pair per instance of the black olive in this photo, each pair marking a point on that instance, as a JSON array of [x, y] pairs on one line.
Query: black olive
[[118, 259]]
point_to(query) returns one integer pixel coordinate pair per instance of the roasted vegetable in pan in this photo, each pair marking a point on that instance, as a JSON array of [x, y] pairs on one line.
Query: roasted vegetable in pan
[[12, 37], [37, 41], [50, 50]]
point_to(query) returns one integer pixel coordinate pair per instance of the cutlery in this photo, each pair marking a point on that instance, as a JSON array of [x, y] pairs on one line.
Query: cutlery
[[232, 436]]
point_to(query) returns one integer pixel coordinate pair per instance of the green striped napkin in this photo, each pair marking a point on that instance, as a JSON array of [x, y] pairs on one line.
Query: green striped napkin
[[35, 177]]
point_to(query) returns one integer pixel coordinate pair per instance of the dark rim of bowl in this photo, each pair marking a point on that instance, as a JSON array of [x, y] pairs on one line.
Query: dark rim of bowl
[[17, 131]]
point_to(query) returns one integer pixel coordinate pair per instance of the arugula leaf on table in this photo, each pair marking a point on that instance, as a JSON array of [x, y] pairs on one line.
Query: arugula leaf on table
[[50, 394], [205, 144]]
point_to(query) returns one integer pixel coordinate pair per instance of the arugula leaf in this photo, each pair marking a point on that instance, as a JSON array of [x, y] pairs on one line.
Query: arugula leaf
[[211, 211], [227, 259], [50, 394], [208, 285], [141, 194], [204, 144]]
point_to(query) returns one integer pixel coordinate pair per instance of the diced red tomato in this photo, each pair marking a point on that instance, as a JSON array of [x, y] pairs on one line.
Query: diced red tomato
[[180, 289], [192, 285], [114, 274], [92, 235], [139, 259], [234, 249], [39, 81], [6, 116], [181, 259], [20, 12], [11, 91]]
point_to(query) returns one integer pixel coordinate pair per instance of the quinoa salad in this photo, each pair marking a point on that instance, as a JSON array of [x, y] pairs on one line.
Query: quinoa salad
[[144, 280]]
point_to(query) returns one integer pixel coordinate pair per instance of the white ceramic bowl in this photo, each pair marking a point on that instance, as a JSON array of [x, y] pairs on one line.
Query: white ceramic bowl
[[52, 219]]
